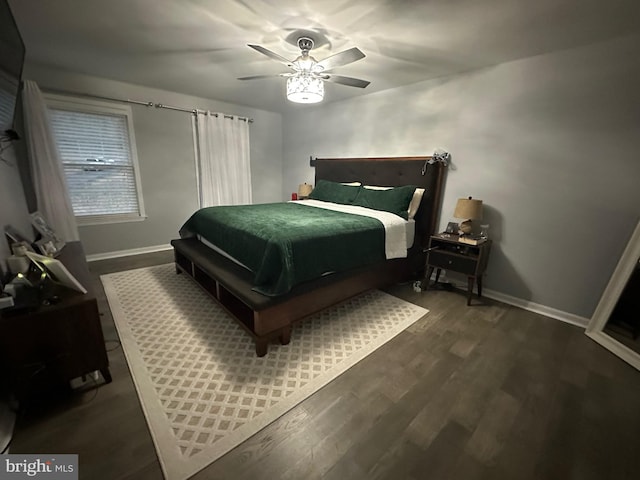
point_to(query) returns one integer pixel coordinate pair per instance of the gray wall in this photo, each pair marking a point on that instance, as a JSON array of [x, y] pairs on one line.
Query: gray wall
[[164, 141], [550, 143]]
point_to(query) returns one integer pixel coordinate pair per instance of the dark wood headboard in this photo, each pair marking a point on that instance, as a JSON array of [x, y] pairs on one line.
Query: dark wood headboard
[[393, 172]]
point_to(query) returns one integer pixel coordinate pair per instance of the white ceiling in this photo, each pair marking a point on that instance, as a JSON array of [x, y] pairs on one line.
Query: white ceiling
[[198, 47]]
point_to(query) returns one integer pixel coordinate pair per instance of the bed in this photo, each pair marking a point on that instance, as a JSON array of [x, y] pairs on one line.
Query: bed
[[263, 283]]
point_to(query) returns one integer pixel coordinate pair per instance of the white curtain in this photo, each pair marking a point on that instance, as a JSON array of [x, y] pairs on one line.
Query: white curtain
[[49, 181], [224, 170]]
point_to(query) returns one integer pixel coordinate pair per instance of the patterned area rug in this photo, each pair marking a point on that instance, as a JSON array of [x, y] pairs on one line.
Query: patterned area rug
[[201, 386]]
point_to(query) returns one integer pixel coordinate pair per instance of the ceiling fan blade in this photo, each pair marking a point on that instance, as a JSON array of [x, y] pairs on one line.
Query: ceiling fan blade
[[271, 54], [349, 81], [343, 58], [254, 77]]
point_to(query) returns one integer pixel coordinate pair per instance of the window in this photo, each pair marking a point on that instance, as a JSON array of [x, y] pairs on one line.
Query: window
[[97, 149]]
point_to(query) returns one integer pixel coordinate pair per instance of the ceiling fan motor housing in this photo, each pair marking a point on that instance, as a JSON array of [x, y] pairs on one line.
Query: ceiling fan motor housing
[[305, 44]]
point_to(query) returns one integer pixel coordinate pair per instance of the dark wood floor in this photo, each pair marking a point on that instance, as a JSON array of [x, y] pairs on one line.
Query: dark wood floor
[[482, 392]]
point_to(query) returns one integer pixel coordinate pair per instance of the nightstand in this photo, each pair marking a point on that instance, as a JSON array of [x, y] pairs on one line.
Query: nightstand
[[447, 252]]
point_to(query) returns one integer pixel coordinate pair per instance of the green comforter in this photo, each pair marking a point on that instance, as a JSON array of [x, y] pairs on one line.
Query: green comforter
[[285, 244]]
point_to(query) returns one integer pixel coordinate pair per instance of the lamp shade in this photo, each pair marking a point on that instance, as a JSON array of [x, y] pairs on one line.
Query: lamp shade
[[468, 208], [304, 189], [304, 88]]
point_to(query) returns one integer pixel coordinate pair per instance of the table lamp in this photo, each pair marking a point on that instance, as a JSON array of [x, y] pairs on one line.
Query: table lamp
[[468, 209], [304, 190]]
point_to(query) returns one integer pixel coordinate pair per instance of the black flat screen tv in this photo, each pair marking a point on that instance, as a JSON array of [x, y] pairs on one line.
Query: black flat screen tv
[[12, 54]]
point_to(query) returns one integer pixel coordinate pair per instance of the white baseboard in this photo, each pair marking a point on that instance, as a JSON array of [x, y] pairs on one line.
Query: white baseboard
[[537, 308], [125, 253], [524, 304]]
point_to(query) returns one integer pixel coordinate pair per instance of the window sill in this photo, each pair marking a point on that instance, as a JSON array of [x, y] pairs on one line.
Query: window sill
[[107, 219]]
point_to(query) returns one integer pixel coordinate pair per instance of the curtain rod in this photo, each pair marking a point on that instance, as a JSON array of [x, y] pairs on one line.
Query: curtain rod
[[192, 111]]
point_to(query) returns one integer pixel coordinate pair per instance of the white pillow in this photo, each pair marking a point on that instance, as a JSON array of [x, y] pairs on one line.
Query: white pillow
[[414, 204], [352, 184]]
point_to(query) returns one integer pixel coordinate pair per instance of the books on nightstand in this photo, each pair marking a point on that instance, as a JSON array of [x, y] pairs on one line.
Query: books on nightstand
[[472, 239], [467, 239]]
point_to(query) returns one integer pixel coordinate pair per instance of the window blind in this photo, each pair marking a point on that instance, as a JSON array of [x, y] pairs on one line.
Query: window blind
[[97, 162]]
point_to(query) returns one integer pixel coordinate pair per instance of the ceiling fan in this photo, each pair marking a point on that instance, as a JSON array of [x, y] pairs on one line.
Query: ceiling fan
[[306, 83]]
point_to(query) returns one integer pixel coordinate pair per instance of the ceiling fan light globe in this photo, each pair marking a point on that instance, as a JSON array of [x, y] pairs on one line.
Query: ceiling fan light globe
[[305, 89]]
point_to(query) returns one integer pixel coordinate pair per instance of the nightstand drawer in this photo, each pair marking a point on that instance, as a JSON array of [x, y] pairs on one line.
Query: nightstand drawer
[[453, 262]]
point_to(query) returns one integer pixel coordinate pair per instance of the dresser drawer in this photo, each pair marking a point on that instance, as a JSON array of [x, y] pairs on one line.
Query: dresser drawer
[[453, 262]]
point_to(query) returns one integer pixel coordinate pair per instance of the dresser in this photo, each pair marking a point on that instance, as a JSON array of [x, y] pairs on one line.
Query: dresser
[[55, 338]]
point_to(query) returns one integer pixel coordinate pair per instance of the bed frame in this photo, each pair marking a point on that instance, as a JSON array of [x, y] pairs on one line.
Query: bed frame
[[267, 318]]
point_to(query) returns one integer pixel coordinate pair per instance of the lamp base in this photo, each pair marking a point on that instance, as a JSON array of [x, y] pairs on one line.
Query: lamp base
[[466, 227]]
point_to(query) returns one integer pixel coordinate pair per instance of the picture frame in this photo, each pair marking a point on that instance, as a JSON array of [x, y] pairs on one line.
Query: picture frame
[[452, 227], [56, 271], [46, 246], [49, 244], [41, 225]]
